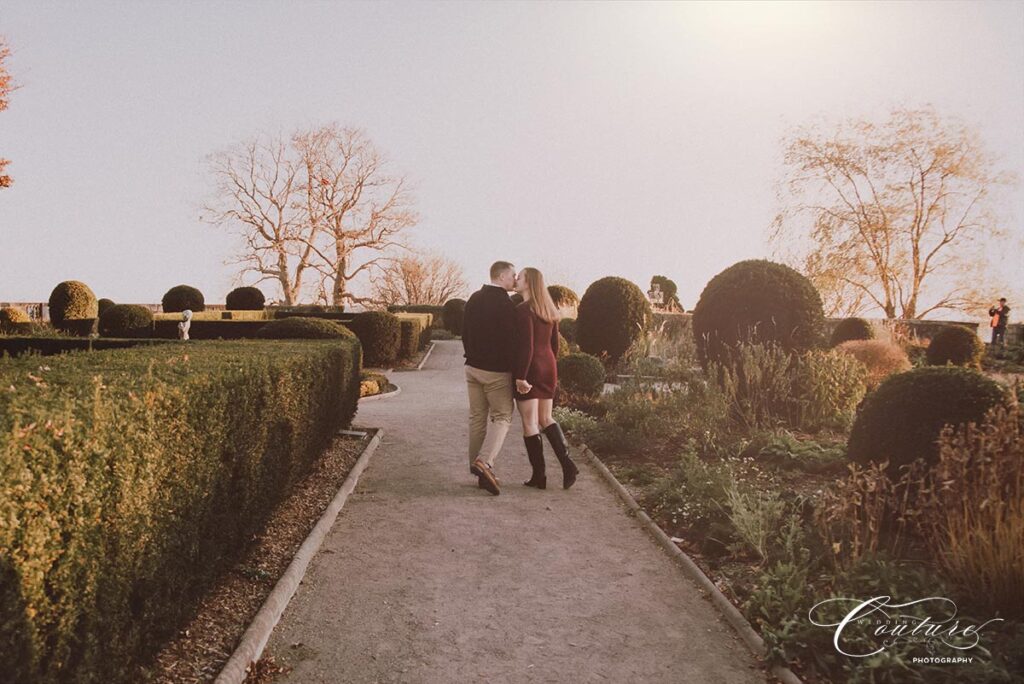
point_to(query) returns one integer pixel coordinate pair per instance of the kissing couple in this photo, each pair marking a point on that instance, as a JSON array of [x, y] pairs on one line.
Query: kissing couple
[[510, 354]]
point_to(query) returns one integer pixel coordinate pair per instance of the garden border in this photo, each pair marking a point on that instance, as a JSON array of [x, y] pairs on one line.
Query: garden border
[[254, 640], [732, 615], [426, 356]]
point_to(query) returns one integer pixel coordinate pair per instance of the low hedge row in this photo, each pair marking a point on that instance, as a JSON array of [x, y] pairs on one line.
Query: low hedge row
[[209, 330], [436, 312], [50, 346], [130, 479]]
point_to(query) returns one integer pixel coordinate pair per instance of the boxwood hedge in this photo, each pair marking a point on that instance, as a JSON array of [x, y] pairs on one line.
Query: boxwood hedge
[[130, 479]]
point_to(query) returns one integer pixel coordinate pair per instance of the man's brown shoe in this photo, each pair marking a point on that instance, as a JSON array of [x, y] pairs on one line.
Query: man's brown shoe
[[485, 477]]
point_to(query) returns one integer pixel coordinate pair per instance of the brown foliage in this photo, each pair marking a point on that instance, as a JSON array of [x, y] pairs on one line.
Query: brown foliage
[[880, 357], [430, 279], [6, 86]]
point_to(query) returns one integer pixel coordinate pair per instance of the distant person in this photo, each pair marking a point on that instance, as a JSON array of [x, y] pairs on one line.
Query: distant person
[[535, 371], [1000, 316], [487, 330]]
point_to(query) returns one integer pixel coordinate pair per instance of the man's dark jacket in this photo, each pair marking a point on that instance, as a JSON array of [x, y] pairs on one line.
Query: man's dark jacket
[[487, 328]]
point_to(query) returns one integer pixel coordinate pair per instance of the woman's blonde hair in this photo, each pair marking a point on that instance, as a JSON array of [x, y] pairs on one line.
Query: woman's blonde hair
[[539, 299]]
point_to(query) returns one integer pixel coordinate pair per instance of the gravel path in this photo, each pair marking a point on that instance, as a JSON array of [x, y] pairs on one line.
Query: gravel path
[[426, 578]]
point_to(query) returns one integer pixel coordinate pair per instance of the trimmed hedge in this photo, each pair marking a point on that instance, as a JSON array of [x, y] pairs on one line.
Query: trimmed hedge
[[181, 297], [563, 296], [567, 328], [341, 316], [901, 420], [70, 301], [303, 329], [126, 320], [381, 336], [423, 333], [12, 319], [209, 330], [104, 304], [851, 329], [955, 345], [245, 299], [51, 346], [757, 301], [613, 315], [581, 375], [436, 312], [130, 480], [453, 313]]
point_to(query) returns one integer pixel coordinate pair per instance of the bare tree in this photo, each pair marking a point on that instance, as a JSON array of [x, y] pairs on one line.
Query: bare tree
[[260, 187], [891, 215], [429, 279], [359, 214], [6, 86]]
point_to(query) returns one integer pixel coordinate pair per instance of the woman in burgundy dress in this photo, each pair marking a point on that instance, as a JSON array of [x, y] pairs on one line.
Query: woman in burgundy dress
[[535, 372]]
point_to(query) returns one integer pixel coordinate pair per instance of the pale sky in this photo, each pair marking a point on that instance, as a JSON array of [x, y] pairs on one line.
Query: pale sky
[[586, 139]]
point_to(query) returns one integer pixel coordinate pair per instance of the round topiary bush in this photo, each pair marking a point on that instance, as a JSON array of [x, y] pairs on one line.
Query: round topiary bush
[[563, 296], [901, 420], [669, 292], [181, 297], [881, 358], [567, 327], [453, 312], [853, 328], [381, 336], [70, 301], [581, 375], [126, 320], [955, 345], [303, 329], [246, 299], [613, 315], [756, 301], [104, 304], [12, 318]]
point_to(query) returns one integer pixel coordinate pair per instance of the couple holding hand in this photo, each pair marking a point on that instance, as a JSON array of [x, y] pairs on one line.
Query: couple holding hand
[[510, 354]]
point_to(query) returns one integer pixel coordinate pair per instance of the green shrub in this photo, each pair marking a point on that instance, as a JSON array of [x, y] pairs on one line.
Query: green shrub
[[581, 374], [302, 329], [955, 345], [246, 299], [563, 296], [827, 388], [126, 320], [381, 336], [70, 301], [409, 339], [613, 316], [901, 420], [182, 297], [756, 301], [436, 312], [853, 328], [563, 347], [453, 313], [567, 329], [103, 305], [131, 480], [13, 319]]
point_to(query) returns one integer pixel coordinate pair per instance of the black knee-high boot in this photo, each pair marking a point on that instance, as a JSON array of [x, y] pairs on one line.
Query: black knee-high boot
[[561, 448], [535, 452]]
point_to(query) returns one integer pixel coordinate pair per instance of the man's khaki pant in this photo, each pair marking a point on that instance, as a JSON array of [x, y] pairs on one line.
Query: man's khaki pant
[[490, 412]]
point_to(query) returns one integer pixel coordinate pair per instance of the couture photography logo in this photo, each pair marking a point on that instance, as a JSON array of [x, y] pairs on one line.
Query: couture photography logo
[[864, 628]]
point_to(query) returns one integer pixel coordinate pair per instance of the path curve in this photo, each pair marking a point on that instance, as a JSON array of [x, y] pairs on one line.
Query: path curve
[[426, 578]]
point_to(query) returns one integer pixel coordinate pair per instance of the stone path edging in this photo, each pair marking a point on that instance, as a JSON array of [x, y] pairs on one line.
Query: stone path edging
[[256, 636], [732, 615], [426, 356]]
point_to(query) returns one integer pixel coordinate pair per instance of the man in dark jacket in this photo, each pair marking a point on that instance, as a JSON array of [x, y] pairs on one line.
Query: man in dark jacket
[[487, 328], [1000, 315]]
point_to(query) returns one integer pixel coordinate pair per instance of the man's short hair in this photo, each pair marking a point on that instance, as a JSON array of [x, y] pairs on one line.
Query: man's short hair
[[499, 267]]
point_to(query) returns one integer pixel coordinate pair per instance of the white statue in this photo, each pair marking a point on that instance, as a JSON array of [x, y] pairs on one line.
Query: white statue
[[186, 322]]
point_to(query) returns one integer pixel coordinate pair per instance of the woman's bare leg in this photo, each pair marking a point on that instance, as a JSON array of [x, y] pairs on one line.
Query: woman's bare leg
[[544, 409], [528, 412]]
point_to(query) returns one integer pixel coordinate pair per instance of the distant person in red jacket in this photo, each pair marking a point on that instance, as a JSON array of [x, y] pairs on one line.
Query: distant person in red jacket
[[535, 372], [1000, 316]]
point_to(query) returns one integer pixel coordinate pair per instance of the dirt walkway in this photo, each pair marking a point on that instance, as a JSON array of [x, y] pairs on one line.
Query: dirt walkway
[[426, 578]]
